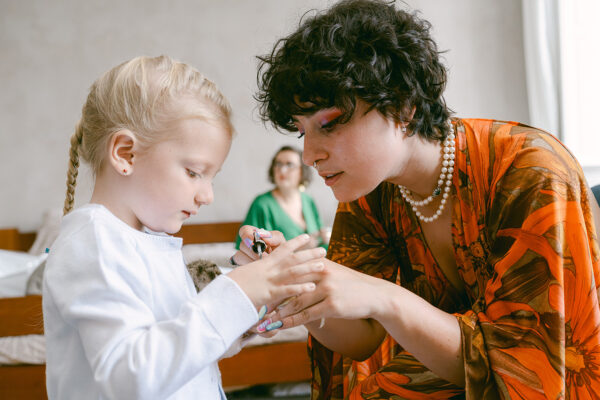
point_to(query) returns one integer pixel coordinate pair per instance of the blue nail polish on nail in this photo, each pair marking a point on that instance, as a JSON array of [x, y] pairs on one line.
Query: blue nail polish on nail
[[262, 312], [248, 243], [274, 325]]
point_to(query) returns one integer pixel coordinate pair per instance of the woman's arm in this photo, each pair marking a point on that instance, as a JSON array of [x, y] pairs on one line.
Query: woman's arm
[[347, 297]]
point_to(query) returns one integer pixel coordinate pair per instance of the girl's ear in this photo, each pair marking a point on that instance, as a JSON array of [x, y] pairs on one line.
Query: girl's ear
[[121, 151]]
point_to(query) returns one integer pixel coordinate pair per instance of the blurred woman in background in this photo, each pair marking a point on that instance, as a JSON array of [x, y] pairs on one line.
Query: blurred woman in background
[[287, 208]]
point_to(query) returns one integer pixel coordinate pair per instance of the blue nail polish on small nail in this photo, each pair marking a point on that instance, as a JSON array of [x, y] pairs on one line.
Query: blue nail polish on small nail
[[248, 243], [262, 312], [274, 325]]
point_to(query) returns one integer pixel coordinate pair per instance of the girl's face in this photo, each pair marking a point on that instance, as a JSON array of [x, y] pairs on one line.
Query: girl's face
[[355, 157], [173, 178], [287, 170]]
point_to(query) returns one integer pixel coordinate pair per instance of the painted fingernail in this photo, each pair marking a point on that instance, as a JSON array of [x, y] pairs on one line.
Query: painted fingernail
[[274, 325], [248, 243], [264, 233], [262, 312], [263, 326]]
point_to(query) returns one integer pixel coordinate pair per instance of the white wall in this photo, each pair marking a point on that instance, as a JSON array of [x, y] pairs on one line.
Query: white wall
[[51, 52]]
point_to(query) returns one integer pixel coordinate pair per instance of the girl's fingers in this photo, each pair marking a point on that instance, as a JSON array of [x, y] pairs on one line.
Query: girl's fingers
[[284, 256], [306, 272], [284, 291]]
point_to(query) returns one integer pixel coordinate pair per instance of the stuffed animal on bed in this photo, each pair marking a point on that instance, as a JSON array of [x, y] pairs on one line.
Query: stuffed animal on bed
[[203, 272]]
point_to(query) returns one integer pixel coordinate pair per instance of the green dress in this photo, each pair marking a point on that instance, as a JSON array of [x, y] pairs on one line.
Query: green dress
[[266, 213]]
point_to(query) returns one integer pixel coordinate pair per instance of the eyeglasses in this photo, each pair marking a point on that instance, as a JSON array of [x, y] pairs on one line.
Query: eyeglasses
[[287, 165]]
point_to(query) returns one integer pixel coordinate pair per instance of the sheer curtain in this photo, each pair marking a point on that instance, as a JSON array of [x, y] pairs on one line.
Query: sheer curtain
[[562, 56], [542, 63]]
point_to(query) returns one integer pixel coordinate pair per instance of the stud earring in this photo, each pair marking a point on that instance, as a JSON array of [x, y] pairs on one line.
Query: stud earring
[[315, 166], [403, 128], [125, 172]]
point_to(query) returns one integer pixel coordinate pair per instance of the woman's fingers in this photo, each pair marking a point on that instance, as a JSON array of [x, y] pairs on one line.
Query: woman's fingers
[[273, 239], [313, 313], [299, 303]]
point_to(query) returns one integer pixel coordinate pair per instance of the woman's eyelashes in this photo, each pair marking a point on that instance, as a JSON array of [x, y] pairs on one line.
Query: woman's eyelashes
[[329, 126], [330, 119]]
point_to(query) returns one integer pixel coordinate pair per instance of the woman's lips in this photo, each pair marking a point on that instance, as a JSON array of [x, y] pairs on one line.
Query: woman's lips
[[331, 179]]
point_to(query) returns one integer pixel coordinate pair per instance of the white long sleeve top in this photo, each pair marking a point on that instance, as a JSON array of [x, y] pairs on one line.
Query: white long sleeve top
[[123, 320]]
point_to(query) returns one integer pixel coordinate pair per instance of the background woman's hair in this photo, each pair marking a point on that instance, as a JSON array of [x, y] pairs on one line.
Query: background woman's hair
[[363, 49], [144, 95], [305, 176]]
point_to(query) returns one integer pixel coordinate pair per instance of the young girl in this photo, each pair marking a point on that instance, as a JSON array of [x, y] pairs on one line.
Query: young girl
[[122, 317]]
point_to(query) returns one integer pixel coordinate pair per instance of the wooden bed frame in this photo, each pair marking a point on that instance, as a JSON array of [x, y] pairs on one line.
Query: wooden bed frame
[[272, 363]]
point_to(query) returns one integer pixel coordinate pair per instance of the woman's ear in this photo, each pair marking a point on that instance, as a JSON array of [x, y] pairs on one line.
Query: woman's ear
[[121, 151]]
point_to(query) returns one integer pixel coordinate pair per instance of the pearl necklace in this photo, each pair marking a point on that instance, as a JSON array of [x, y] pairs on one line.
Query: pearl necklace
[[443, 183]]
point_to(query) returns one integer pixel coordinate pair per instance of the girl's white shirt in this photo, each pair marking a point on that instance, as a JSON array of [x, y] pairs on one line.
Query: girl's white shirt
[[123, 320]]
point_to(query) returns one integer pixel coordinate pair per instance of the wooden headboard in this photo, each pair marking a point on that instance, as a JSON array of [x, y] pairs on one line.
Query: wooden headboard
[[13, 239]]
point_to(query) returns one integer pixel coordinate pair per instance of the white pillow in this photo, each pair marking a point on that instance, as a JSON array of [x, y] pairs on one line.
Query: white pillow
[[219, 253], [15, 269], [47, 232]]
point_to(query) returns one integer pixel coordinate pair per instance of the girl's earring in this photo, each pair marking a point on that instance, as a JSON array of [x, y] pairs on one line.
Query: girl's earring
[[125, 172], [403, 128]]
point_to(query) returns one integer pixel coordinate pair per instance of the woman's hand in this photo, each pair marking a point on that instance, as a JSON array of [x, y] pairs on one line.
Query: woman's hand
[[284, 273], [340, 293], [245, 254]]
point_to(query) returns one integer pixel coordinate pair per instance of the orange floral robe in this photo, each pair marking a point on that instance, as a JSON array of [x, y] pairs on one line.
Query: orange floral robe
[[526, 250]]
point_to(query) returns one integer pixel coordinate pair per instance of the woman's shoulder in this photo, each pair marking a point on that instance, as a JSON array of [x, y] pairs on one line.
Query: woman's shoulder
[[507, 130]]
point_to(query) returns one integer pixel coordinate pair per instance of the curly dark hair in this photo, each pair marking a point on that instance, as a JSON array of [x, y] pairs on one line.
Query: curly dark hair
[[358, 49], [305, 174]]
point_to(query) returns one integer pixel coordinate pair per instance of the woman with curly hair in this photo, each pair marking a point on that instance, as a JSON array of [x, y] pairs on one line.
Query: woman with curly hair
[[463, 260]]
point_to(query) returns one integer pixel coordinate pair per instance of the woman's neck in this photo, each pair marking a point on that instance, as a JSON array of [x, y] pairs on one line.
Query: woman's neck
[[422, 170], [286, 194]]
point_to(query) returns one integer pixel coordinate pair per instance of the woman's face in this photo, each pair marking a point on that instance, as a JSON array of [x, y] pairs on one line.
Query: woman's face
[[355, 157], [287, 171]]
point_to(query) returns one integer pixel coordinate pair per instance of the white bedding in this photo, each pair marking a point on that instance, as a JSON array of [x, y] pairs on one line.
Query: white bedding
[[26, 349]]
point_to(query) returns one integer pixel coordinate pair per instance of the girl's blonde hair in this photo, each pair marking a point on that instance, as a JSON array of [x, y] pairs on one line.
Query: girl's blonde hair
[[142, 95]]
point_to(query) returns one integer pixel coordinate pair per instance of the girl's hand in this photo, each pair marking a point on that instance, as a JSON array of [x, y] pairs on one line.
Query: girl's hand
[[340, 293], [284, 273]]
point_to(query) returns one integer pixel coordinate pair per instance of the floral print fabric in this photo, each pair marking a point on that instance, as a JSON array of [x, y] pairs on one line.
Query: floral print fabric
[[526, 250]]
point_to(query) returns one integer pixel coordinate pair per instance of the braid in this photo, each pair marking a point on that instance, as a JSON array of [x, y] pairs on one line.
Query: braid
[[73, 168]]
